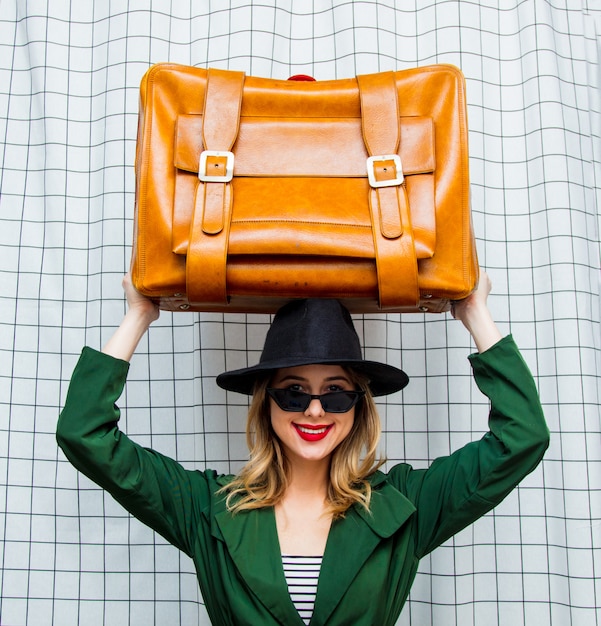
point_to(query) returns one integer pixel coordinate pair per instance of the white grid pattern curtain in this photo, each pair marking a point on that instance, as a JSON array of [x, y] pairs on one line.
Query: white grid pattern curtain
[[69, 74]]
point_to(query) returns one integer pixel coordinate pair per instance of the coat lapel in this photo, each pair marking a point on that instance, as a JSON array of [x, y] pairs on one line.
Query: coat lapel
[[353, 539], [252, 542]]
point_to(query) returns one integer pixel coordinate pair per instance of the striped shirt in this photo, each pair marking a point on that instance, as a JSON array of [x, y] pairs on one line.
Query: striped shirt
[[301, 574]]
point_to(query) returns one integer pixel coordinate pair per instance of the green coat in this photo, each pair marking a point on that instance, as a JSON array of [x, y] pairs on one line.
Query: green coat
[[370, 559]]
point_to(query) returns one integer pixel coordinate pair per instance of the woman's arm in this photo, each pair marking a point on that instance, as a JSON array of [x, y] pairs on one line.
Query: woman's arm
[[474, 313], [140, 314], [458, 489], [147, 483]]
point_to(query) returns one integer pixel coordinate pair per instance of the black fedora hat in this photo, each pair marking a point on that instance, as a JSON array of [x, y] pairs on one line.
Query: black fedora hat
[[305, 332]]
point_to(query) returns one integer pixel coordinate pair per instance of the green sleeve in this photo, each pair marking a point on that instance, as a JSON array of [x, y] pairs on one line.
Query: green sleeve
[[458, 489], [153, 487]]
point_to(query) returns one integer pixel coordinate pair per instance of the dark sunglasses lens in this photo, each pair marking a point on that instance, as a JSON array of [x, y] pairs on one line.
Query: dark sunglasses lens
[[290, 400], [298, 401], [339, 401]]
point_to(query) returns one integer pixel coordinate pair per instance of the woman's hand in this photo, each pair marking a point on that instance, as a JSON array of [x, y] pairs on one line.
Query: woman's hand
[[463, 309], [140, 314], [139, 303], [474, 314]]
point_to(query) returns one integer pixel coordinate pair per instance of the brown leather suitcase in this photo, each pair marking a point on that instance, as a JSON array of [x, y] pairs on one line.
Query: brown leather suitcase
[[253, 191]]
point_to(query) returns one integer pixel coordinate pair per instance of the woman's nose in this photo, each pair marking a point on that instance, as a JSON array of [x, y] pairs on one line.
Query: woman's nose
[[315, 407]]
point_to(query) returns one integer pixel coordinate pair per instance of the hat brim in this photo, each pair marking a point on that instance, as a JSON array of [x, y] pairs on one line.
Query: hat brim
[[383, 379]]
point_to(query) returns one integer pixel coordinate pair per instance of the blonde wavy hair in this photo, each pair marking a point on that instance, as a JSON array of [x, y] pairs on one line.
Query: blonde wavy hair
[[263, 480]]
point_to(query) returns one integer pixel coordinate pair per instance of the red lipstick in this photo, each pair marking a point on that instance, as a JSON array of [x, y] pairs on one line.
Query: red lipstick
[[312, 432]]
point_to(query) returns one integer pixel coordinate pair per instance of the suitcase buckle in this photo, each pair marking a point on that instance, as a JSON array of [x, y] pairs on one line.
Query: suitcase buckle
[[388, 182], [220, 155]]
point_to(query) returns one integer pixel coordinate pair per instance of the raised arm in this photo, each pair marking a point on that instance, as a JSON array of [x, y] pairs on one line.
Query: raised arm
[[458, 489], [141, 312], [145, 482]]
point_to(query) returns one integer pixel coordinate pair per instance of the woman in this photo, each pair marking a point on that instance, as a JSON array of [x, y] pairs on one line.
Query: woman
[[311, 492]]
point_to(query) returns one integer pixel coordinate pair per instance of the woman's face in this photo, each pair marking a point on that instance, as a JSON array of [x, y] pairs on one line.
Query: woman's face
[[313, 434]]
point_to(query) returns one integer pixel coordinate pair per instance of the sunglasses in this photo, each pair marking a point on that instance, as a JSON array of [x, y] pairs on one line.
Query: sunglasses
[[298, 401]]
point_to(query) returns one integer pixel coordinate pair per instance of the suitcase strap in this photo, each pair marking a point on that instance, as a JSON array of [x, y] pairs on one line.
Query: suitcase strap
[[209, 231], [395, 256], [394, 245]]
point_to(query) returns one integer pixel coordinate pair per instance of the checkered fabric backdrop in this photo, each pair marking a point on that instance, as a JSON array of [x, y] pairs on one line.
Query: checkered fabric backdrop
[[69, 76]]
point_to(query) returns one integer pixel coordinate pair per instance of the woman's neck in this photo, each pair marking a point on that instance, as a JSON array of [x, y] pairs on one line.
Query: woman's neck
[[309, 479], [301, 515]]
